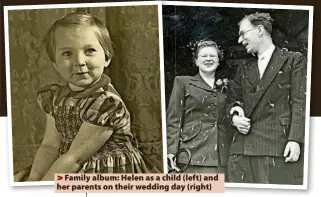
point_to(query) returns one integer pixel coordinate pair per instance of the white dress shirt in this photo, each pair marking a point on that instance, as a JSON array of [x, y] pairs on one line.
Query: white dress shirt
[[264, 59]]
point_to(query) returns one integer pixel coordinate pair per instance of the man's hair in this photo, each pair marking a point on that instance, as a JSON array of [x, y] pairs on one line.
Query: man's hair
[[74, 20], [263, 19]]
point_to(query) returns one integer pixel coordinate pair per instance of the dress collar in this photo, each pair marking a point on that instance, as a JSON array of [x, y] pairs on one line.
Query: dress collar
[[87, 91]]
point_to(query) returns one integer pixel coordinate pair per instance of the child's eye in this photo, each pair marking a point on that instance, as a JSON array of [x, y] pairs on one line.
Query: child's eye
[[90, 51], [67, 53]]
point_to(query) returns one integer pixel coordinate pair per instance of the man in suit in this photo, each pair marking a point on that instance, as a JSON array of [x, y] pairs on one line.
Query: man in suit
[[267, 104]]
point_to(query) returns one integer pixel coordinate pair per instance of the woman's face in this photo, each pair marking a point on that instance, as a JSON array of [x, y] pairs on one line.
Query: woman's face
[[207, 60]]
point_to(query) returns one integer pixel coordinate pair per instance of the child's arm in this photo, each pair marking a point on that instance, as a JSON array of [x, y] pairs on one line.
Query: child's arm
[[47, 152], [86, 143]]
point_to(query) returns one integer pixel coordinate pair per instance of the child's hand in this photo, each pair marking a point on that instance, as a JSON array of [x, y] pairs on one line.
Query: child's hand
[[19, 176]]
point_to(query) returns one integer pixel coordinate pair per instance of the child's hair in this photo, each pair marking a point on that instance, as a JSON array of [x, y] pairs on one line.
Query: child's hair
[[79, 19]]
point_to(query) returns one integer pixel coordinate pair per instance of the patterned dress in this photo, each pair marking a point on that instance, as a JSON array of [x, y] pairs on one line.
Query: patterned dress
[[99, 105]]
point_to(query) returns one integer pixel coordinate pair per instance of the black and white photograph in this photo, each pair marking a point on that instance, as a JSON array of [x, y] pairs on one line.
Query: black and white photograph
[[83, 90], [237, 91]]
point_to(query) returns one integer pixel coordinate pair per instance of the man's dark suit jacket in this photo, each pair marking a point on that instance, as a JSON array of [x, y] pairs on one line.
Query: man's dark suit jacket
[[196, 115], [275, 104]]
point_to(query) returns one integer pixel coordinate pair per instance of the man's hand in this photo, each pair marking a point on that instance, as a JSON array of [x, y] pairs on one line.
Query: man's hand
[[292, 151], [243, 124], [237, 109]]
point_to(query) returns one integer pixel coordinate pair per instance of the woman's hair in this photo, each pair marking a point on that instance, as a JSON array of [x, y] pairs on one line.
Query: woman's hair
[[221, 71], [207, 43], [74, 20], [263, 19]]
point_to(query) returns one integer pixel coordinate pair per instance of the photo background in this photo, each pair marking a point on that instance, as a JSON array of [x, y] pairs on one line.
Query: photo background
[[135, 73], [183, 25]]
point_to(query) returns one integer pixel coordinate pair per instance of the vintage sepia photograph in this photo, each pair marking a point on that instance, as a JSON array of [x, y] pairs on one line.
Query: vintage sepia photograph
[[83, 89], [237, 91]]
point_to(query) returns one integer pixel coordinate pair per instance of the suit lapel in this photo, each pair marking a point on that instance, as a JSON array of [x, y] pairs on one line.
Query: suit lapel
[[199, 82], [252, 73], [275, 64]]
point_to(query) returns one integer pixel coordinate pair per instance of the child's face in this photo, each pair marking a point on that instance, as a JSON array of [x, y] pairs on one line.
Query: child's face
[[80, 59]]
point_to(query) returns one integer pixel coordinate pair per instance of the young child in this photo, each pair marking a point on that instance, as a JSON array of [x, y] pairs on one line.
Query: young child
[[87, 123]]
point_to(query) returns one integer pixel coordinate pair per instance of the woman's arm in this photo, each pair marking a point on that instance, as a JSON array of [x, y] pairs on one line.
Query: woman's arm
[[47, 152], [87, 142]]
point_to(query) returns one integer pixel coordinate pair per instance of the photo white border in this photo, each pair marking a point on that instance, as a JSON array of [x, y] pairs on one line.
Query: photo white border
[[74, 5], [308, 93], [164, 135], [162, 85]]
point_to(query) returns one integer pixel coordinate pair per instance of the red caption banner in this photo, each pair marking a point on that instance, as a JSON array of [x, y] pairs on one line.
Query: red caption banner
[[131, 183]]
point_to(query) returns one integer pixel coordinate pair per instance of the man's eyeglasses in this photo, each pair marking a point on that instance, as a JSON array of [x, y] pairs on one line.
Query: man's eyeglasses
[[241, 34]]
